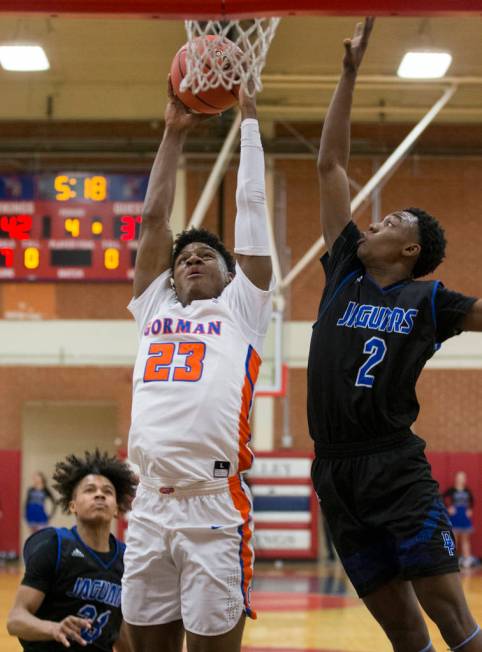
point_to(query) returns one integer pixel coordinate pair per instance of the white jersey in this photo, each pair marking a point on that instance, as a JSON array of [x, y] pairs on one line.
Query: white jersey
[[194, 380]]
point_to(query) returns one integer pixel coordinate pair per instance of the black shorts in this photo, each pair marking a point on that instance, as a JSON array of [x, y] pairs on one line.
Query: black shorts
[[385, 515]]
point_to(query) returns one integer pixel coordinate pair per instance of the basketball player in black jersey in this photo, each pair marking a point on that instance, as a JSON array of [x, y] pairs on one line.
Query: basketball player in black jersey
[[376, 329], [70, 595]]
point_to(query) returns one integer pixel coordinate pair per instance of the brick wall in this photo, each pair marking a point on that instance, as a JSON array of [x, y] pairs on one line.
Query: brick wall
[[19, 385], [450, 417], [449, 187]]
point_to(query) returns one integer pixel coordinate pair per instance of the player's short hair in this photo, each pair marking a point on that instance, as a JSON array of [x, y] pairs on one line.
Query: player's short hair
[[206, 237], [73, 469], [432, 242]]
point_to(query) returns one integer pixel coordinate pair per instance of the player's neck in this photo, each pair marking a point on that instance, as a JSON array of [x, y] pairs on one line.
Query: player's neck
[[385, 276], [95, 536]]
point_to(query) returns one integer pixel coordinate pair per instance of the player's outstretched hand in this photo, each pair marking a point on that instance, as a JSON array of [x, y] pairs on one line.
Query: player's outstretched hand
[[177, 115], [355, 47], [69, 630]]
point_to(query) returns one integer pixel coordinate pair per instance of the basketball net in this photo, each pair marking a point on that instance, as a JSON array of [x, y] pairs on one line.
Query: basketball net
[[241, 58]]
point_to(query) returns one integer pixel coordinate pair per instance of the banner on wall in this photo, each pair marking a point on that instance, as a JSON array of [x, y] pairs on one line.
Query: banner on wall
[[286, 510]]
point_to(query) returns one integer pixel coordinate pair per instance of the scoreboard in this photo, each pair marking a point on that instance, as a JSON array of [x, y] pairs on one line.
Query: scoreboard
[[70, 226]]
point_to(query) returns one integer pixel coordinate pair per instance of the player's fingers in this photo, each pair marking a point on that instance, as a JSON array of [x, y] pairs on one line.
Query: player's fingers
[[78, 639], [367, 28], [64, 640], [73, 631], [369, 22], [170, 90], [197, 118], [78, 623], [207, 116], [251, 87], [74, 635]]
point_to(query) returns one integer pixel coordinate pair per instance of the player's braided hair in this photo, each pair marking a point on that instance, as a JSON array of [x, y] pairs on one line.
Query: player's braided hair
[[206, 237], [432, 241], [73, 469]]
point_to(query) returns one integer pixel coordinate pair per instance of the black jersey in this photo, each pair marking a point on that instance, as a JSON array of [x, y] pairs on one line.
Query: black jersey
[[77, 581], [368, 347]]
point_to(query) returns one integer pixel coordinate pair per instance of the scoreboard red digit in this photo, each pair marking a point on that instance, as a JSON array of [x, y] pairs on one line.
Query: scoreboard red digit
[[70, 226]]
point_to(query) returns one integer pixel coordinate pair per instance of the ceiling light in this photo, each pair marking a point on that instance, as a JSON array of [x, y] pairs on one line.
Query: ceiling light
[[424, 65], [23, 57]]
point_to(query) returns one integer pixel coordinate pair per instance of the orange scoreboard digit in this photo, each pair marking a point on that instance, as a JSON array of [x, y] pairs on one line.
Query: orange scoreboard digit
[[70, 226]]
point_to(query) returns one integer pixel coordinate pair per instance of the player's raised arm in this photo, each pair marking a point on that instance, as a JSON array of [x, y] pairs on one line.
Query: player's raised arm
[[251, 242], [155, 243], [335, 140], [473, 319]]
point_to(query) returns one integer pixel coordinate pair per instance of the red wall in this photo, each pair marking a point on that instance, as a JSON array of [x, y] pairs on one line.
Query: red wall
[[9, 500], [444, 467]]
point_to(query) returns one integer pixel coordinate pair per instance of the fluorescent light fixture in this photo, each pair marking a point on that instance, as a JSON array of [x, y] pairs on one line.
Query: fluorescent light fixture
[[424, 65], [23, 57]]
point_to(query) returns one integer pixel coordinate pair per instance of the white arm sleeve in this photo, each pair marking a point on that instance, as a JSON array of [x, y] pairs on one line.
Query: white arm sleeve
[[250, 231]]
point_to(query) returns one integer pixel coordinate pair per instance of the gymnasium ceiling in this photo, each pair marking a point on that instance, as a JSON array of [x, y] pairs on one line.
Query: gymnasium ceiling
[[115, 69]]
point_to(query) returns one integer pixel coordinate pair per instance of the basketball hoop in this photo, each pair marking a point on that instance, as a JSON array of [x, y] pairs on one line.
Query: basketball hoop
[[240, 59]]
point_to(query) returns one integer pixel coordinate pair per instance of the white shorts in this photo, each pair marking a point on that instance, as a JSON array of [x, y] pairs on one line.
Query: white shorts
[[189, 556]]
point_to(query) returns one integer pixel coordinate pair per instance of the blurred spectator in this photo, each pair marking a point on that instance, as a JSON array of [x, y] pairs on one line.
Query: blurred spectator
[[460, 502], [37, 495]]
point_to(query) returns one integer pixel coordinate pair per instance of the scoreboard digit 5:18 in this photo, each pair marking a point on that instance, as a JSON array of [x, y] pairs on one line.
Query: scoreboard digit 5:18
[[70, 226]]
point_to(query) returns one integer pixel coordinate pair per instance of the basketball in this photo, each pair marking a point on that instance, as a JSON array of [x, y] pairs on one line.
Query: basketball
[[213, 100]]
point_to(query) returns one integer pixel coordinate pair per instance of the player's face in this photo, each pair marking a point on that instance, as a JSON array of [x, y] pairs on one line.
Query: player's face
[[393, 239], [94, 500], [199, 273]]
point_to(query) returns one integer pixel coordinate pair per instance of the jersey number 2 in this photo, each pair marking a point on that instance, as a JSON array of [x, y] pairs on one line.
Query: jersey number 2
[[159, 364], [376, 348]]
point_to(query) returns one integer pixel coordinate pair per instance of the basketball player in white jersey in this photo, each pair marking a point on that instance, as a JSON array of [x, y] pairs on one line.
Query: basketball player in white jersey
[[202, 319]]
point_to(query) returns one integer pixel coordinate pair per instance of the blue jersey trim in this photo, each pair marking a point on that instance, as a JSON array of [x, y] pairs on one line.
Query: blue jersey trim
[[248, 375], [93, 554], [436, 284], [62, 533], [432, 301], [338, 289]]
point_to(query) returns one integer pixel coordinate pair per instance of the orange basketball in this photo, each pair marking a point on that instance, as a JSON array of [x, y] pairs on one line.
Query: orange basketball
[[213, 100]]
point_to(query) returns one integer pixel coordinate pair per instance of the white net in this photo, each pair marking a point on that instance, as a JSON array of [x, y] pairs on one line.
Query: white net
[[227, 53]]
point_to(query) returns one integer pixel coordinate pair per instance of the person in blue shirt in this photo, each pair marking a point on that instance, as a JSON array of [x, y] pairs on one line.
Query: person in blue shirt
[[38, 494], [460, 502]]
